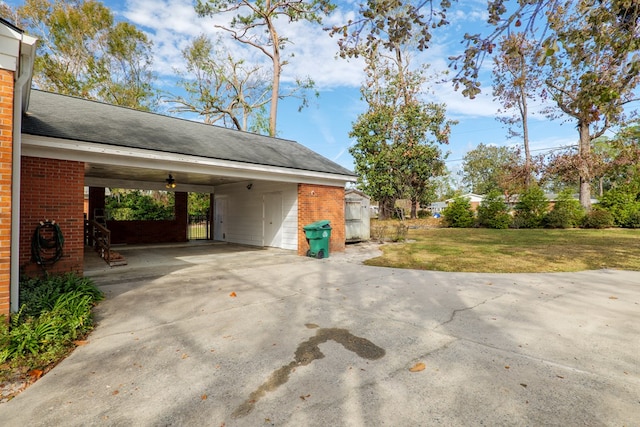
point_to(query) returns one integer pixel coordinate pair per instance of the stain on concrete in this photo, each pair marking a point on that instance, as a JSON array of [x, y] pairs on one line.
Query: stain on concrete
[[307, 352]]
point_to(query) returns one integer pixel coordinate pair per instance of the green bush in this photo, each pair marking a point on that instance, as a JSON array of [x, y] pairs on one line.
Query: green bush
[[54, 311], [458, 213], [39, 295], [598, 218], [493, 212], [531, 208], [634, 220], [623, 204], [423, 213], [566, 213]]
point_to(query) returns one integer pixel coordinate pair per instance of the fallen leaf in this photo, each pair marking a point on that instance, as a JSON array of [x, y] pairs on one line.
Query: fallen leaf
[[612, 297], [115, 392], [185, 355], [418, 367], [305, 397], [35, 373], [203, 397], [233, 295], [81, 342], [523, 385], [507, 367], [560, 376]]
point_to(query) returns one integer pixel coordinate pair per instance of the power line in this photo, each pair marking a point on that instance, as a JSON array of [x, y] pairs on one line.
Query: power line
[[536, 150]]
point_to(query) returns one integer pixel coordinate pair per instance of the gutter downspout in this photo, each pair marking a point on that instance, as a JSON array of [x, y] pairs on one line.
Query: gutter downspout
[[25, 70]]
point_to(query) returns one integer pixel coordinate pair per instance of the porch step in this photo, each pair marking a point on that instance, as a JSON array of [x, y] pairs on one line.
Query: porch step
[[117, 259]]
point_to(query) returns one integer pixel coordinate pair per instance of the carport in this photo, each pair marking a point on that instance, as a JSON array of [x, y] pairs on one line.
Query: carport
[[54, 146], [263, 190]]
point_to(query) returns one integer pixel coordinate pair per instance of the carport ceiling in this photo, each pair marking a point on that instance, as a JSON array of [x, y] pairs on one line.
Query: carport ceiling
[[146, 178]]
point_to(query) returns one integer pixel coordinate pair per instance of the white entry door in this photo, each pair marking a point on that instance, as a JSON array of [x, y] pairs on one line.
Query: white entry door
[[219, 218], [272, 220]]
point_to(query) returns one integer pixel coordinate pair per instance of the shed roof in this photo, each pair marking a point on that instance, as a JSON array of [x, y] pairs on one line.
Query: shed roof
[[66, 117]]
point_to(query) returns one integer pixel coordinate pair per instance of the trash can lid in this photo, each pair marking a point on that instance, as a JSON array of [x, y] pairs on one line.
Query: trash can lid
[[318, 224]]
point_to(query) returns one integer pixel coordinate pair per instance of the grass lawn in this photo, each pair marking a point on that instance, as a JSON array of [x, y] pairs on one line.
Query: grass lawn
[[513, 251]]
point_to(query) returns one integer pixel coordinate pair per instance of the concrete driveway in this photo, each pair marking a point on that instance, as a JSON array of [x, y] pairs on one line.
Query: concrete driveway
[[219, 335]]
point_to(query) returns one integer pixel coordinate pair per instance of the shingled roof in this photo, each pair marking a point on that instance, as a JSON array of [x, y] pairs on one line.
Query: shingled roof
[[66, 117]]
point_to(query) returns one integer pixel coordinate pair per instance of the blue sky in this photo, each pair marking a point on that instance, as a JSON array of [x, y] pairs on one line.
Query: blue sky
[[325, 124]]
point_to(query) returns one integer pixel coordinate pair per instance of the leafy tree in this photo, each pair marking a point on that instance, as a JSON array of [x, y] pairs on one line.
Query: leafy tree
[[254, 24], [83, 52], [458, 213], [131, 205], [622, 157], [531, 208], [591, 66], [493, 212], [221, 88], [515, 83], [487, 168], [198, 203], [396, 153]]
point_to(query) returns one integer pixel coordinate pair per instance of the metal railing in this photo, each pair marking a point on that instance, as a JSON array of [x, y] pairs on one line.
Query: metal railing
[[101, 237]]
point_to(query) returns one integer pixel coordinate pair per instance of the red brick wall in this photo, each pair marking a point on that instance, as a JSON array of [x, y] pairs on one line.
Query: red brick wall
[[320, 202], [6, 167], [136, 232], [52, 190]]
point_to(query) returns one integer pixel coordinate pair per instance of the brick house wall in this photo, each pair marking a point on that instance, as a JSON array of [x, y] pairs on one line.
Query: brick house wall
[[6, 168], [321, 202], [138, 232], [52, 190]]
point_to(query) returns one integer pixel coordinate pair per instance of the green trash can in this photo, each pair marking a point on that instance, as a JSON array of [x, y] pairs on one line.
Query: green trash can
[[318, 234]]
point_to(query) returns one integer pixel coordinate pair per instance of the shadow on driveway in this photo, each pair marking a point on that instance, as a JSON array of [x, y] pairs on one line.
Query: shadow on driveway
[[225, 335]]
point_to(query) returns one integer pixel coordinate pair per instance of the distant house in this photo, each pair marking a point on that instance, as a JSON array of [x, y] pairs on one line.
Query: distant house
[[437, 207], [474, 199]]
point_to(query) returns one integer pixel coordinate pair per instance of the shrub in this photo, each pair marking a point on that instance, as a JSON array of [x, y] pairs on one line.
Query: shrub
[[54, 312], [622, 203], [423, 213], [384, 231], [39, 295], [531, 208], [566, 213], [493, 212], [400, 232], [634, 220], [458, 213], [378, 231], [598, 218]]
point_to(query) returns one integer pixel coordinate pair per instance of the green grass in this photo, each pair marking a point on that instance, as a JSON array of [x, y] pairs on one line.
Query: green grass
[[513, 251]]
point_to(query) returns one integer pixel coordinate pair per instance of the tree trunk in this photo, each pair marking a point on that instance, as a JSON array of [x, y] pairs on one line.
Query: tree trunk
[[385, 207], [585, 169], [525, 135], [277, 69], [414, 208]]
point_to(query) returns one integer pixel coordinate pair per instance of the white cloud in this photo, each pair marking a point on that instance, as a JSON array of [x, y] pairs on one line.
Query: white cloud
[[172, 24]]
